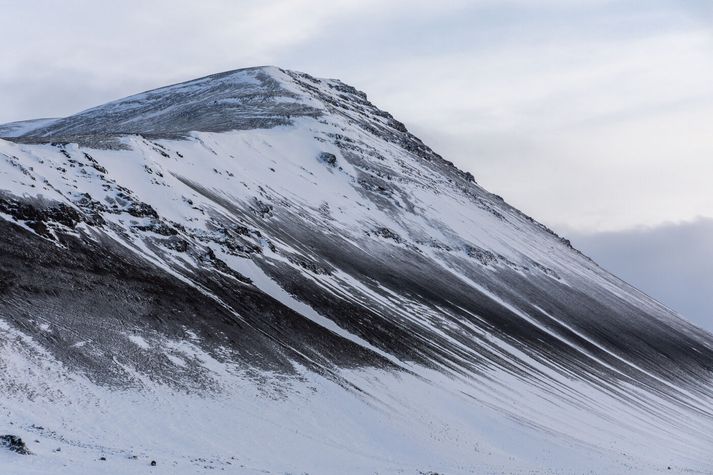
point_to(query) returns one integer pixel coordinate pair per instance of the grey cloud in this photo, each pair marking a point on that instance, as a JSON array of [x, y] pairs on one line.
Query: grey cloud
[[56, 91], [673, 263]]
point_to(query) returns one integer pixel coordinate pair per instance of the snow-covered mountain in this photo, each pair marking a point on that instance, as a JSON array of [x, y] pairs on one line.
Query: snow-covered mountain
[[260, 271]]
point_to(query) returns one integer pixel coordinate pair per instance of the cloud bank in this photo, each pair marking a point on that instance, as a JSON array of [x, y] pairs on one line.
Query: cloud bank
[[673, 263]]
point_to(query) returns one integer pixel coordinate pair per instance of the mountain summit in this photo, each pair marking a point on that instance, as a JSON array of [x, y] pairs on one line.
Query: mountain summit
[[261, 270]]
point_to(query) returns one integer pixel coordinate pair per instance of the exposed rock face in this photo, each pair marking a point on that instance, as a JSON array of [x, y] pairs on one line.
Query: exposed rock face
[[14, 444], [265, 229]]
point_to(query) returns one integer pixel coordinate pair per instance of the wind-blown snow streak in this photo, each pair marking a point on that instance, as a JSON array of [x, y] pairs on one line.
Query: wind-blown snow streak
[[275, 256]]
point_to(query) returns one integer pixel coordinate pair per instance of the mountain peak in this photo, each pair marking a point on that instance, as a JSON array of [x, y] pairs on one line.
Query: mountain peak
[[248, 98], [240, 99], [257, 97]]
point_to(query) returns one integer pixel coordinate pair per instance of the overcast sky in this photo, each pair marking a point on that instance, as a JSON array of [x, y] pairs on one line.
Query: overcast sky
[[673, 262], [593, 116]]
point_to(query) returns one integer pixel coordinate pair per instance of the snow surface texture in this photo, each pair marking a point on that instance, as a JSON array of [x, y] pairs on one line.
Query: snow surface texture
[[260, 271]]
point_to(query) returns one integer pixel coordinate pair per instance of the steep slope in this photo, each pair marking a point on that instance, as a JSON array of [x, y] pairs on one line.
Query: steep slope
[[274, 255]]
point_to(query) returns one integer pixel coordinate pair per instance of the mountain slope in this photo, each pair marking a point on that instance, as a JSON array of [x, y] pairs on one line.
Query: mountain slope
[[23, 127], [276, 256]]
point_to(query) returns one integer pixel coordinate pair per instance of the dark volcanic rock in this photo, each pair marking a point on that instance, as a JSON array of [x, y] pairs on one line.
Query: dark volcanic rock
[[14, 443], [328, 158]]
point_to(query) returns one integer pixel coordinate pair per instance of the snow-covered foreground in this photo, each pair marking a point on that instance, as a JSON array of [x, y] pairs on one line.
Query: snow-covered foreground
[[266, 423], [260, 271]]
